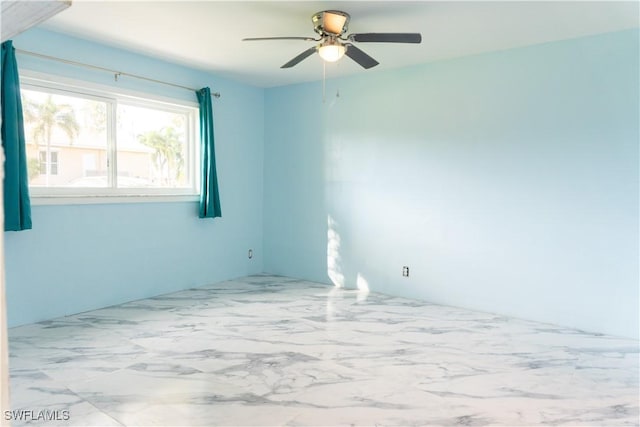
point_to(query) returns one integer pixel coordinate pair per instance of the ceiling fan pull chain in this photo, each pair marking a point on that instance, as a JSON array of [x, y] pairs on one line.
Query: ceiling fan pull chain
[[338, 85], [324, 82]]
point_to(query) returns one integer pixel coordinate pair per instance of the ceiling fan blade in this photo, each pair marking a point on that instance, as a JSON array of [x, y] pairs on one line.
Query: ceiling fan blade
[[253, 39], [360, 57], [300, 57], [386, 37]]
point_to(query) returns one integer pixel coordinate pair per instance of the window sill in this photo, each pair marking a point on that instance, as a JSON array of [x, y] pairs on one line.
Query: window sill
[[37, 200]]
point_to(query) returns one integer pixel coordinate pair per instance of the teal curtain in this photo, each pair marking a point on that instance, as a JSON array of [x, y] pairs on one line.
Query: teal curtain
[[209, 194], [17, 206]]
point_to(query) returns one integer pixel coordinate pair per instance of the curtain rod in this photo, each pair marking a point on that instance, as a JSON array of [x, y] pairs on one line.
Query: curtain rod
[[116, 73]]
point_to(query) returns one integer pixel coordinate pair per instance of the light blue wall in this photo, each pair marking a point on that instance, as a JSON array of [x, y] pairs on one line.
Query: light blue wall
[[83, 257], [507, 182]]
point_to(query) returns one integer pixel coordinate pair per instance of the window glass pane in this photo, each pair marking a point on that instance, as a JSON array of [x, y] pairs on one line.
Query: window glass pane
[[42, 164], [152, 147], [53, 163], [60, 130]]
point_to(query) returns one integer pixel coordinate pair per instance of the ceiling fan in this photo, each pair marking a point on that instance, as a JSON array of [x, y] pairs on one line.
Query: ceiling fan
[[331, 25]]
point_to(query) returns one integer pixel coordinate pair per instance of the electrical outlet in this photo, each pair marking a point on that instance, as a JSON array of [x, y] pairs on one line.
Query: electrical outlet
[[250, 253], [405, 271]]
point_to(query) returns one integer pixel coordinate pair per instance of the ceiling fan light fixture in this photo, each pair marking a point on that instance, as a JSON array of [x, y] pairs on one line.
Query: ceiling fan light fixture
[[331, 51]]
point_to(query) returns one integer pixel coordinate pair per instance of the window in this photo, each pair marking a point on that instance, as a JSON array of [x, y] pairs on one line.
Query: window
[[83, 141]]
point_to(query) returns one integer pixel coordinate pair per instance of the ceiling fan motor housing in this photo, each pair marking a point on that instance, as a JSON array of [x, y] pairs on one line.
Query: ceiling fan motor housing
[[330, 22]]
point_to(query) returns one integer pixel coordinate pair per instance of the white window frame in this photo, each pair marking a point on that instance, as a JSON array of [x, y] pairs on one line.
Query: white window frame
[[30, 80]]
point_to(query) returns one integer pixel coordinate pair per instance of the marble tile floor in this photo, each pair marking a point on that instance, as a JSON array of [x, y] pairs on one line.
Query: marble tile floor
[[274, 351]]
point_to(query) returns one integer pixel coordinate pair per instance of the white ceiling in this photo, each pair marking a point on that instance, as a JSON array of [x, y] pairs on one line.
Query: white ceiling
[[207, 34]]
